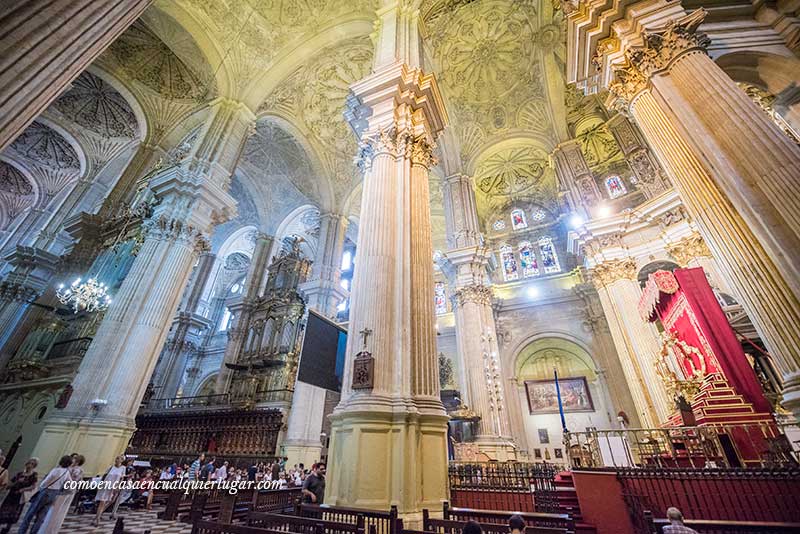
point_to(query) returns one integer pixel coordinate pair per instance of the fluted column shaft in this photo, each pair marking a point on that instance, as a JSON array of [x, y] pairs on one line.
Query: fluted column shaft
[[48, 43], [575, 177], [460, 212], [323, 291], [637, 341]]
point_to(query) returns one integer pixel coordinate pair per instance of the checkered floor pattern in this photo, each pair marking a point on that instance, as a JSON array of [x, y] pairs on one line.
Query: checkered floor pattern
[[136, 522]]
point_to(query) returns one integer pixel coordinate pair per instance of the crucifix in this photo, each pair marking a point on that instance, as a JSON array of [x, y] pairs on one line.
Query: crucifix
[[365, 333]]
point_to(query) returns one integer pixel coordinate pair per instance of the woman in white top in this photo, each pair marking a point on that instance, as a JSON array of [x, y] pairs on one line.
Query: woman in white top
[[108, 493], [57, 513], [49, 490]]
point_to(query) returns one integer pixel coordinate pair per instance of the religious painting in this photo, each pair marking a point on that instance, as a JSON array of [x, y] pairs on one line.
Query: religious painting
[[518, 221], [558, 453], [537, 453], [544, 437], [575, 395]]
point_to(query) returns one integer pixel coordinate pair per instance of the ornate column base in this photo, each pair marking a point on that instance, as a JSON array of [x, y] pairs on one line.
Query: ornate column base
[[385, 458], [100, 440]]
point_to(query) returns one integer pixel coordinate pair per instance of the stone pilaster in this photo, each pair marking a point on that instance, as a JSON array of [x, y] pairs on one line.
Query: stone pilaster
[[303, 443], [389, 440], [650, 178], [461, 212], [575, 179], [637, 341], [46, 44], [254, 281], [737, 174], [323, 291]]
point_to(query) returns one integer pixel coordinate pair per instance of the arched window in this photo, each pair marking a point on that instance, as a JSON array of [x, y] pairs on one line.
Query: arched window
[[518, 221], [527, 260], [615, 186], [440, 298], [225, 323], [549, 256], [509, 262]]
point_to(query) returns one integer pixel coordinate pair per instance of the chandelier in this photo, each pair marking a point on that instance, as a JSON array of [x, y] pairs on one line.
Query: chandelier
[[89, 296]]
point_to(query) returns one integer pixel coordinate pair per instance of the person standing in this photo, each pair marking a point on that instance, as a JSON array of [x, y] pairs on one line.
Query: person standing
[[108, 492], [50, 488], [314, 486], [276, 471], [194, 469], [55, 517], [124, 493], [676, 525], [14, 502], [222, 472]]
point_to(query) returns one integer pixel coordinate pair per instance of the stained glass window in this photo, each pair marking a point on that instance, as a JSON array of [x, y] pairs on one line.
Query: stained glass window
[[527, 260], [538, 215], [518, 221], [509, 261], [440, 298], [615, 186], [499, 224], [548, 254]]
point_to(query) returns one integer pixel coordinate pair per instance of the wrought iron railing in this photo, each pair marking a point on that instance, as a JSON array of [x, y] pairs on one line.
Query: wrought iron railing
[[761, 445], [199, 401]]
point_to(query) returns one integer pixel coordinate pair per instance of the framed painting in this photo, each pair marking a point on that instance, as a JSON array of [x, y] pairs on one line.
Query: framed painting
[[575, 395]]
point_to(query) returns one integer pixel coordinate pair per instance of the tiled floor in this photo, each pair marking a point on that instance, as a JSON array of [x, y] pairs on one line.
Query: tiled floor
[[136, 522]]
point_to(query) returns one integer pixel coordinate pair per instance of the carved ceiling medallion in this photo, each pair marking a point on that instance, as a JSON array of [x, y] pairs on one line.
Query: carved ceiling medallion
[[47, 147], [97, 106]]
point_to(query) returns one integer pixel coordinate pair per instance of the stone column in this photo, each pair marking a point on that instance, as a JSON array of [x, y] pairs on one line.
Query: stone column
[[169, 371], [636, 340], [32, 271], [46, 44], [483, 388], [649, 176], [737, 175], [323, 291], [692, 251], [575, 178], [116, 369], [303, 441], [389, 438], [254, 281]]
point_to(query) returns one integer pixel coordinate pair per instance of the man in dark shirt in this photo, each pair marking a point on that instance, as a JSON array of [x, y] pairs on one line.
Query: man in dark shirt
[[251, 473], [314, 486]]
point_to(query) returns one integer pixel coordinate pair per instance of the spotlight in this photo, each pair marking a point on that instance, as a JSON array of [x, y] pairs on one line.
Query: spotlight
[[604, 210], [575, 221], [533, 292]]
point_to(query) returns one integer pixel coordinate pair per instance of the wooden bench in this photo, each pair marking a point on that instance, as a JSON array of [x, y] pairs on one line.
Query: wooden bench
[[209, 527], [532, 519], [282, 500], [384, 522], [450, 526], [178, 503], [205, 503], [235, 506], [304, 525], [714, 526]]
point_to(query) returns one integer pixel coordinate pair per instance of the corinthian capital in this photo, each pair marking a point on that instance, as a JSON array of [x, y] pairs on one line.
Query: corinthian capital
[[609, 272], [479, 294], [628, 82], [420, 151], [689, 248], [662, 47], [171, 229]]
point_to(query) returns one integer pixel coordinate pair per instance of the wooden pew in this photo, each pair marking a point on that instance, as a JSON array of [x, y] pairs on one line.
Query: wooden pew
[[205, 503], [714, 526], [384, 522], [177, 503], [235, 506], [303, 525], [450, 526], [209, 527], [282, 500], [532, 519]]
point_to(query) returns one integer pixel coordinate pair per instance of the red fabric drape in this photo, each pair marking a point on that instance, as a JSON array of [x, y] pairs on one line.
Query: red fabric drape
[[695, 316]]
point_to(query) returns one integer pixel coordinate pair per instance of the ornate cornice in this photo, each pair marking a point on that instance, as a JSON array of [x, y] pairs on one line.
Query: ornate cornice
[[396, 142], [172, 229], [479, 294], [609, 272], [14, 292], [689, 248]]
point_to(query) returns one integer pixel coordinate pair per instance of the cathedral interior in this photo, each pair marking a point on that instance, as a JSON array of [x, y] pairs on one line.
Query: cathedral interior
[[400, 235]]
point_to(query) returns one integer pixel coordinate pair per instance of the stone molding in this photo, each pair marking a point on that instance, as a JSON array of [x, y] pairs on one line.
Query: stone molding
[[172, 229], [478, 294], [397, 142], [14, 292], [689, 248], [609, 272]]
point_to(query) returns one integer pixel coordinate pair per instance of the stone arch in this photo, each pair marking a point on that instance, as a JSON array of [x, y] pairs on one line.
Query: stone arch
[[293, 224], [14, 200], [206, 385], [653, 266], [771, 72]]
